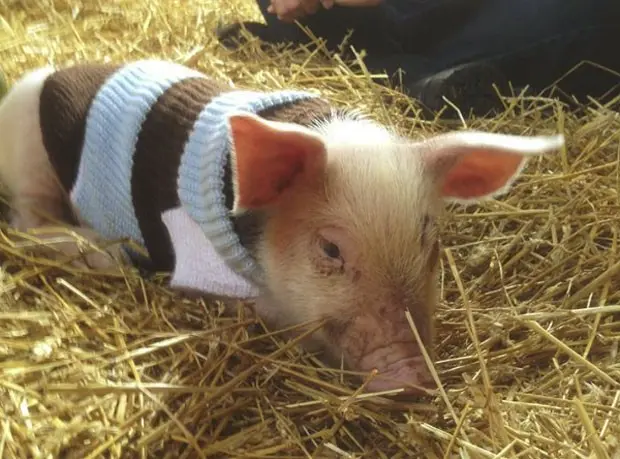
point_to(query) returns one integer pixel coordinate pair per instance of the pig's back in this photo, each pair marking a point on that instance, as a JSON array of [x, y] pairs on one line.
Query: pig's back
[[115, 135]]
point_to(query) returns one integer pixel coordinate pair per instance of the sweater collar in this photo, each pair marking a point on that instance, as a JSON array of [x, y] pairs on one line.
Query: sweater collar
[[202, 170]]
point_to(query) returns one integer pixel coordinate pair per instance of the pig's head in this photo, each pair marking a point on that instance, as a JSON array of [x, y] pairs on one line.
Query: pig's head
[[349, 233]]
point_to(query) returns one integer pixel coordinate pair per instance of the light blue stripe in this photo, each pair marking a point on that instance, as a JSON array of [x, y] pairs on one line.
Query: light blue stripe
[[102, 192], [201, 172]]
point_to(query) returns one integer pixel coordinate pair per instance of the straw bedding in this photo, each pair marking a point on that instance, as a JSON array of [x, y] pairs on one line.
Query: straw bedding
[[116, 365]]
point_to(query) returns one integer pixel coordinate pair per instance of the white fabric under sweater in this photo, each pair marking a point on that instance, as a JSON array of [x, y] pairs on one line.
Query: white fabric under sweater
[[199, 267]]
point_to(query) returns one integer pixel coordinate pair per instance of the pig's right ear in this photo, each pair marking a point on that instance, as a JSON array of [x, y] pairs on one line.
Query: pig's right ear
[[468, 166], [270, 158]]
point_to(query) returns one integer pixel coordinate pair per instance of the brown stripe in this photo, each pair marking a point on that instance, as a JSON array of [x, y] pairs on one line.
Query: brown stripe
[[159, 147], [64, 103]]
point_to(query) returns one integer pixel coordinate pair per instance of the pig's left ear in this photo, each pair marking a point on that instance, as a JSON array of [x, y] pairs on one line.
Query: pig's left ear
[[469, 166], [270, 158]]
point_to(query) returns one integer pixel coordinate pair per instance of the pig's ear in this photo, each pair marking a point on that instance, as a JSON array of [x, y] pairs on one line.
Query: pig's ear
[[469, 166], [270, 158]]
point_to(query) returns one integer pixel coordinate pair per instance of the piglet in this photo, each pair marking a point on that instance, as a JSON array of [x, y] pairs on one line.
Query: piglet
[[311, 212]]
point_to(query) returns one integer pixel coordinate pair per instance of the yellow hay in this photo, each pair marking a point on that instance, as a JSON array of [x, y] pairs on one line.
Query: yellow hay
[[116, 365]]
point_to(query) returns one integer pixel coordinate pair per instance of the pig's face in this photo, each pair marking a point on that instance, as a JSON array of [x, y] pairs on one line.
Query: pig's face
[[351, 236], [358, 247]]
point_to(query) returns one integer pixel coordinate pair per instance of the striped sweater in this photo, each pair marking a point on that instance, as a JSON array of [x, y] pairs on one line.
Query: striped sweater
[[143, 150]]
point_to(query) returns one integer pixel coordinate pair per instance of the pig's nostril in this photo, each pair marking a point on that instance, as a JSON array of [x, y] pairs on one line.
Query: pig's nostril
[[409, 374], [426, 380], [395, 355]]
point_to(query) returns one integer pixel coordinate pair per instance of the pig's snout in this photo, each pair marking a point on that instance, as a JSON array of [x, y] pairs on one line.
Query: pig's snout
[[381, 339], [396, 371]]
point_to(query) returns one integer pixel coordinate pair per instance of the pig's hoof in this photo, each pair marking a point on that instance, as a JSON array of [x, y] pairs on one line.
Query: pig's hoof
[[106, 260], [90, 254], [89, 257]]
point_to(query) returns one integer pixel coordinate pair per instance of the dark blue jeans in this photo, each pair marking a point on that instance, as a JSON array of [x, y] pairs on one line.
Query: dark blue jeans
[[533, 42]]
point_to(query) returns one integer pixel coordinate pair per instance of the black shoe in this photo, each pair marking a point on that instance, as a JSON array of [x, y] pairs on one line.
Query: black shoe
[[469, 86]]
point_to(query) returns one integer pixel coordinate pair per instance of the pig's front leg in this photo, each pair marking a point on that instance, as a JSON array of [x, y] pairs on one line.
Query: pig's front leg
[[42, 217], [41, 212], [82, 247]]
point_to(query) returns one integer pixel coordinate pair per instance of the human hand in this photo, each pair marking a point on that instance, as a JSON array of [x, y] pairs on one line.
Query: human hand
[[291, 10]]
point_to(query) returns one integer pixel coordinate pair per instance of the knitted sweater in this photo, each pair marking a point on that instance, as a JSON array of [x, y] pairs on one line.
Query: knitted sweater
[[143, 150]]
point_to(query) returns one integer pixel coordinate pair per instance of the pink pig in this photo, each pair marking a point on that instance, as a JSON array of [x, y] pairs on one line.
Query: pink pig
[[355, 241], [349, 211]]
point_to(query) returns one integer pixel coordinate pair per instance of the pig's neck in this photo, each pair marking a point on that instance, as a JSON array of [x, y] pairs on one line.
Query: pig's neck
[[230, 249]]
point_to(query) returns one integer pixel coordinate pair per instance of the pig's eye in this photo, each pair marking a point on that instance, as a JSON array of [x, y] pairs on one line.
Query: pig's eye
[[329, 245], [331, 249]]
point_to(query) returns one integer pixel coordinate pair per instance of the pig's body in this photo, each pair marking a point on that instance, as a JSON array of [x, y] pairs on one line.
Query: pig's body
[[119, 138], [266, 195]]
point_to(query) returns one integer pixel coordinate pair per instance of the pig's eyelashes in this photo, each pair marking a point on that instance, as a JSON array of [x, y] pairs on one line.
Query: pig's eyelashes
[[434, 253], [428, 237], [427, 226]]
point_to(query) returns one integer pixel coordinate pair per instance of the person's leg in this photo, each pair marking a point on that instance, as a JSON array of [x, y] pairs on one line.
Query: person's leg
[[459, 48], [535, 42], [378, 31], [529, 42]]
